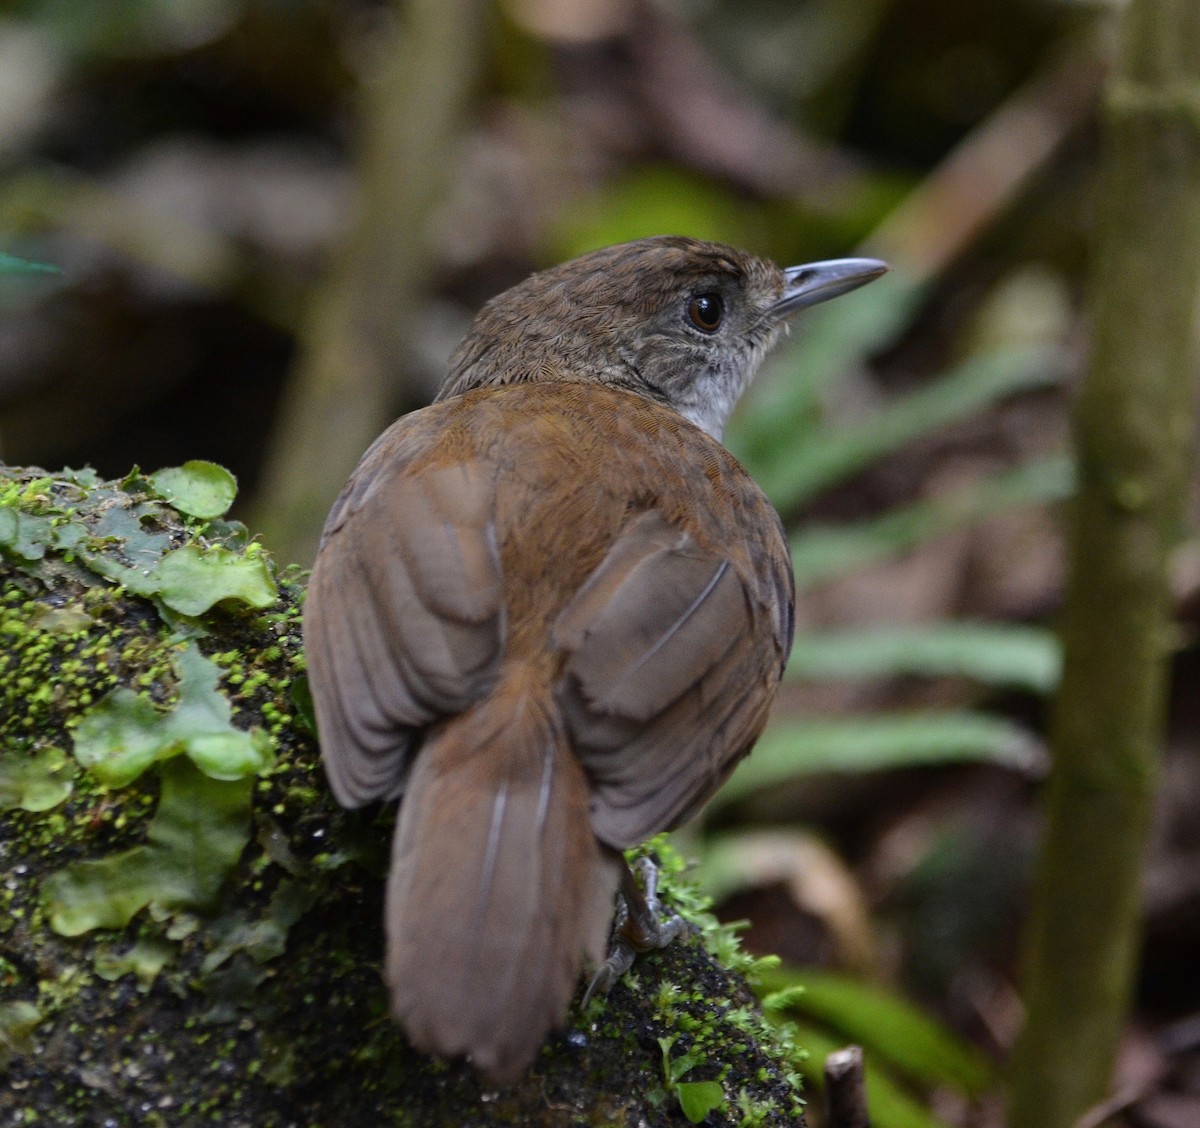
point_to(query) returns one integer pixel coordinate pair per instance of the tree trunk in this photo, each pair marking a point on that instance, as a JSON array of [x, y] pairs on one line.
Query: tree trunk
[[1133, 427]]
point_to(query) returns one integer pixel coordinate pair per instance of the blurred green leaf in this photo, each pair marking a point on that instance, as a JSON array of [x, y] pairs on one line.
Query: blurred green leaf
[[132, 28], [192, 579], [798, 471], [18, 1020], [791, 749], [698, 1098], [24, 534], [61, 620], [11, 264], [655, 200], [192, 843], [121, 736], [202, 719], [820, 553], [34, 781], [894, 1032], [145, 958], [302, 698], [261, 933], [1024, 657], [125, 732], [197, 488]]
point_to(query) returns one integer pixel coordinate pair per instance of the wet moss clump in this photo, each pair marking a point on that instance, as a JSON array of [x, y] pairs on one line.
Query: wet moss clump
[[190, 926]]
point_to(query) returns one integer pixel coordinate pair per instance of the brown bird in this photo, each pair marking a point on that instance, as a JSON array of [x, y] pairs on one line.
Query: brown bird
[[551, 611]]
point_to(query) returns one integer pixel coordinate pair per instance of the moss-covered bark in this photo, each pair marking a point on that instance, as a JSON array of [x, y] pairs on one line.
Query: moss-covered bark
[[189, 926]]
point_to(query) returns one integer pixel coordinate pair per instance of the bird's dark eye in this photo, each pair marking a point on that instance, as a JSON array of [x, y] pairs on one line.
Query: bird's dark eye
[[705, 312]]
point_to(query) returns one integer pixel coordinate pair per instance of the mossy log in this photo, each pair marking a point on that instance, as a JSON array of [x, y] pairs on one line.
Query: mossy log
[[190, 926]]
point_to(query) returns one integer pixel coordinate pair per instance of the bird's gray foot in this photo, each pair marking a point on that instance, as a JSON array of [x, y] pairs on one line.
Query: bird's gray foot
[[639, 926]]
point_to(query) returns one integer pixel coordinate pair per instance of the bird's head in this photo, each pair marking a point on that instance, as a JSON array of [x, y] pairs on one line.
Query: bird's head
[[680, 321]]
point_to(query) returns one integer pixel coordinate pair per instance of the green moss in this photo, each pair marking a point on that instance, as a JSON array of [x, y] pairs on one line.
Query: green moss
[[717, 1027]]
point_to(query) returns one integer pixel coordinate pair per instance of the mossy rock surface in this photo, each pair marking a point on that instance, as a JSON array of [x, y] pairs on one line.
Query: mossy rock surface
[[190, 926]]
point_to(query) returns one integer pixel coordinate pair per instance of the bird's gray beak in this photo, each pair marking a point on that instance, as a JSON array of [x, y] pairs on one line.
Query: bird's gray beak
[[815, 282]]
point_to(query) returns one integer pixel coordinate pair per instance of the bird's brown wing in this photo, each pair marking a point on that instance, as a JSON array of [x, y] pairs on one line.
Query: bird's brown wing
[[673, 661], [404, 620]]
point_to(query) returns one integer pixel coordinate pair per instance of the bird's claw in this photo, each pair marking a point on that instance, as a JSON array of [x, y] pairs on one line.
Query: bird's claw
[[639, 927], [620, 960]]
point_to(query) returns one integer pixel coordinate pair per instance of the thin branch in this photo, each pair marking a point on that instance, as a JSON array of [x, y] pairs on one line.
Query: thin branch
[[846, 1089]]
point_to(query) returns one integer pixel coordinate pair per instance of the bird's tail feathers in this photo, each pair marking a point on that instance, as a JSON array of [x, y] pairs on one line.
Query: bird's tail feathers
[[498, 890]]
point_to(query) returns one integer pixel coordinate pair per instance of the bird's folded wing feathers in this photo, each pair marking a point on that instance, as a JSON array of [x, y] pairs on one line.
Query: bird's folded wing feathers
[[407, 593], [669, 677]]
